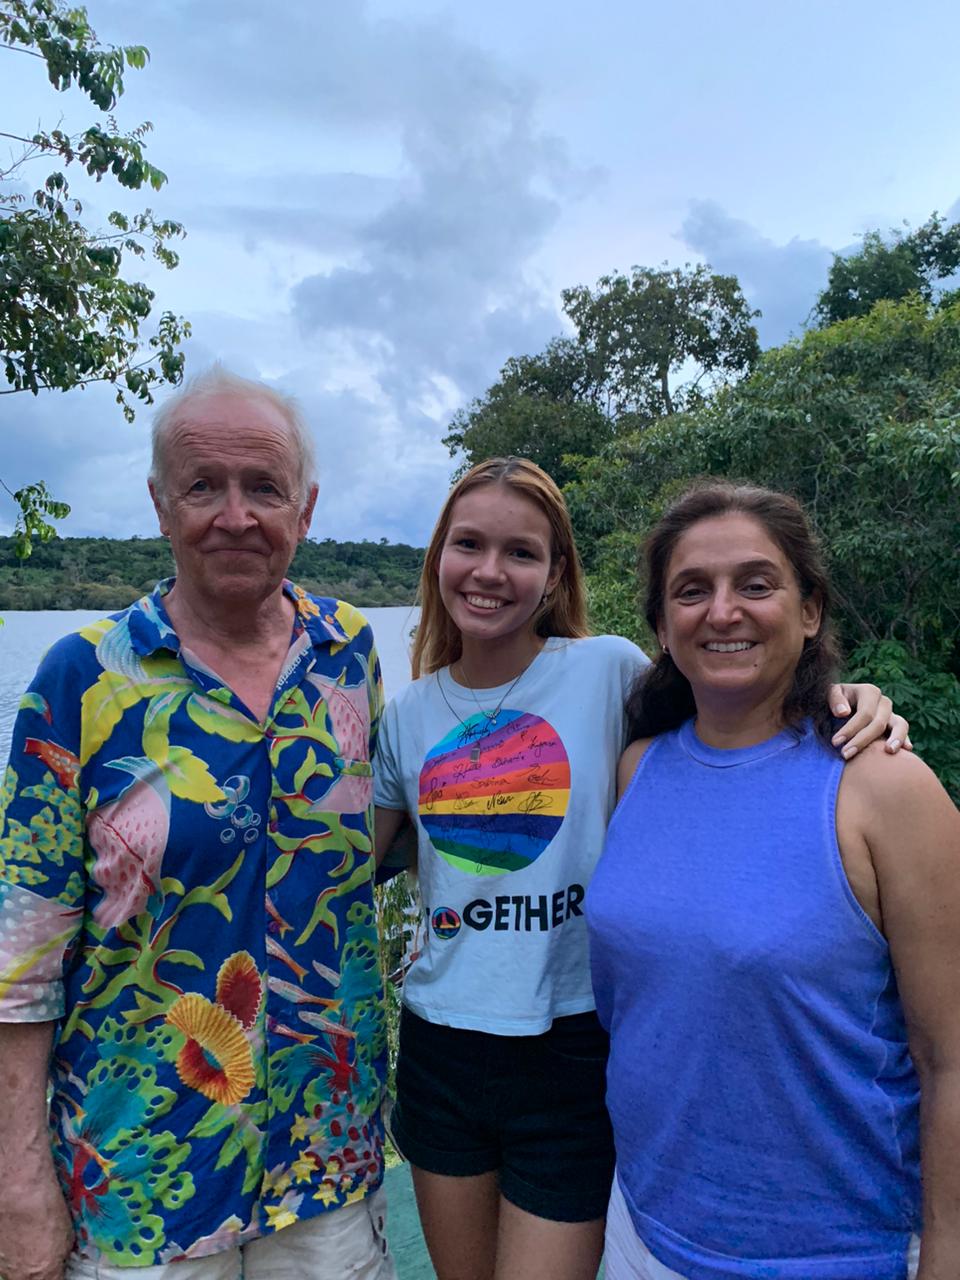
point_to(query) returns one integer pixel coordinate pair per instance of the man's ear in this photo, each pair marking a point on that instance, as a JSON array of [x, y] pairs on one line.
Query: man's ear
[[306, 514], [159, 508]]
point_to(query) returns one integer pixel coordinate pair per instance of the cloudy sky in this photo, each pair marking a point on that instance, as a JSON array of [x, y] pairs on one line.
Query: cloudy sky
[[384, 198]]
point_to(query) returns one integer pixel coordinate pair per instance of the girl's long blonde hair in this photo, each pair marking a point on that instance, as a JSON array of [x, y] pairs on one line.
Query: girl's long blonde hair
[[564, 613]]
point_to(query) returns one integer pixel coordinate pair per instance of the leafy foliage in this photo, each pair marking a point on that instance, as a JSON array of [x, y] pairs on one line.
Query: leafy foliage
[[861, 421], [643, 331], [68, 317], [35, 504], [889, 270], [930, 699], [543, 407], [637, 336]]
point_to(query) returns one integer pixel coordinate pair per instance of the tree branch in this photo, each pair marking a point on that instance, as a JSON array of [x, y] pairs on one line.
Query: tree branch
[[869, 631], [16, 138], [18, 48], [83, 382]]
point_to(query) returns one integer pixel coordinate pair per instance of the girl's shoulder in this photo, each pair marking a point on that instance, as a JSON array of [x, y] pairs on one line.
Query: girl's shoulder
[[614, 651], [413, 692]]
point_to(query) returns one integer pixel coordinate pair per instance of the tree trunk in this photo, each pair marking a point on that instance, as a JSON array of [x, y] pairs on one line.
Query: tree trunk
[[665, 387]]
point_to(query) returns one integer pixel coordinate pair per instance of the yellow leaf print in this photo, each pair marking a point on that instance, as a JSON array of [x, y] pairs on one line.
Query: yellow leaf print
[[278, 1216], [189, 778], [102, 707], [97, 630], [104, 703], [350, 619], [226, 722], [156, 724]]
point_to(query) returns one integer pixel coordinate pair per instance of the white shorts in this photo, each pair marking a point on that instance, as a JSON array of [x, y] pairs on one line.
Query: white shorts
[[626, 1257], [344, 1243]]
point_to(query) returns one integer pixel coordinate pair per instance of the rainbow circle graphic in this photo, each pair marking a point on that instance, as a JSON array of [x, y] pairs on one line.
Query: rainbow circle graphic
[[446, 923], [493, 794]]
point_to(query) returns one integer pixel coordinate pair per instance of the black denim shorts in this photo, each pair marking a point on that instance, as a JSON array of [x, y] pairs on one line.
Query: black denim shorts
[[530, 1107]]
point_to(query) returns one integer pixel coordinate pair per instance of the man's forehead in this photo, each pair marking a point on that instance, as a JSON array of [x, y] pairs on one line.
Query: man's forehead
[[230, 409], [235, 423]]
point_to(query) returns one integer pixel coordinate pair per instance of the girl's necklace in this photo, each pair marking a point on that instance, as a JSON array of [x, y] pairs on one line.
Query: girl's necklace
[[489, 716]]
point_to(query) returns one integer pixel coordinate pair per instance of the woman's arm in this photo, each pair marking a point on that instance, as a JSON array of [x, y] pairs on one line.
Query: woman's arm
[[872, 718], [628, 763], [912, 831]]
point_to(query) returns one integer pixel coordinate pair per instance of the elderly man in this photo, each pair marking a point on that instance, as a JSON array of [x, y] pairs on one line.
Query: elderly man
[[188, 948]]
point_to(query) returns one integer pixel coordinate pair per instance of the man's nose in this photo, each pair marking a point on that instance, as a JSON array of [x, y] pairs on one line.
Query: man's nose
[[234, 514]]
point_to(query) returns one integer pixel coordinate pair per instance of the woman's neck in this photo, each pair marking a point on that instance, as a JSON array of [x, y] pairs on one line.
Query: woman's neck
[[727, 723], [485, 664]]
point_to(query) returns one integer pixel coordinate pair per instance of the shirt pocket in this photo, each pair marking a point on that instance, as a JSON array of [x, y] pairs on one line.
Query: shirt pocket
[[352, 788]]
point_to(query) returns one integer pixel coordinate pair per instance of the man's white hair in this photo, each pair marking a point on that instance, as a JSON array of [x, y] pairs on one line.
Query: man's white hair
[[217, 381]]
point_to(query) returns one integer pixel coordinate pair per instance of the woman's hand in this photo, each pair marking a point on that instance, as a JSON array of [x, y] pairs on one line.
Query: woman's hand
[[872, 718]]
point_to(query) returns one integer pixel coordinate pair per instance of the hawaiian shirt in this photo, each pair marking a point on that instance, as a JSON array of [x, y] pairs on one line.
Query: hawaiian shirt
[[189, 894]]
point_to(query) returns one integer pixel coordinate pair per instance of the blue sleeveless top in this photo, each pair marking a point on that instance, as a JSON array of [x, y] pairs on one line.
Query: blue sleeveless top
[[763, 1098]]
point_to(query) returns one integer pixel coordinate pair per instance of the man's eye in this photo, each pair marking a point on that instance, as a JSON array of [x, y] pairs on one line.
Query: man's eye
[[199, 486]]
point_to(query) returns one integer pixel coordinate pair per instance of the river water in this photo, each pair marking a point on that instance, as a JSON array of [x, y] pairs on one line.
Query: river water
[[25, 636]]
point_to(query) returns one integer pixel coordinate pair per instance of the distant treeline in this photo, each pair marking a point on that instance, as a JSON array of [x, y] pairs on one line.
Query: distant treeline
[[110, 573]]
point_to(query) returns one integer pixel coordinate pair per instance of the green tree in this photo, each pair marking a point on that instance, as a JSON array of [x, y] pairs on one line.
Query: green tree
[[68, 314], [646, 345], [862, 422], [661, 339], [542, 407], [890, 269]]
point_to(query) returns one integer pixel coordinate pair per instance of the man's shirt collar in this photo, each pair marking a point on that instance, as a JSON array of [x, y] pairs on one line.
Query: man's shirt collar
[[151, 628]]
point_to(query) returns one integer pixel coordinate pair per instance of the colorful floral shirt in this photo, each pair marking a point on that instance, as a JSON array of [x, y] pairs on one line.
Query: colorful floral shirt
[[189, 894]]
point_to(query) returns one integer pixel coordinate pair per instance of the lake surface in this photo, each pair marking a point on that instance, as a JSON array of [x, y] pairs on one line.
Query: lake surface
[[25, 636]]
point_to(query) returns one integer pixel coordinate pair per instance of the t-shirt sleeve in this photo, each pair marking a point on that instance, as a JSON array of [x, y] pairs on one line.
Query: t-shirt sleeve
[[387, 776], [375, 691], [634, 663], [625, 658], [42, 883], [388, 793]]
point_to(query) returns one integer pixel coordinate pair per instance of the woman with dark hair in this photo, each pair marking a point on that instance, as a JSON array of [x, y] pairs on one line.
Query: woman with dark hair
[[775, 939]]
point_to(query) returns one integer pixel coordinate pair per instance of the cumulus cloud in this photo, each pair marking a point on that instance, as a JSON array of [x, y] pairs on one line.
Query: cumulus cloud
[[438, 288], [782, 280], [363, 199]]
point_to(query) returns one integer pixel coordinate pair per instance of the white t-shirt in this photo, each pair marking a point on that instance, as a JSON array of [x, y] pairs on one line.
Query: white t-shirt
[[510, 816]]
